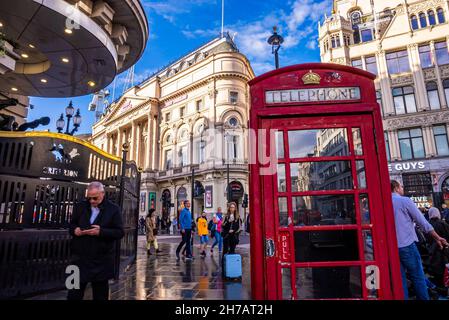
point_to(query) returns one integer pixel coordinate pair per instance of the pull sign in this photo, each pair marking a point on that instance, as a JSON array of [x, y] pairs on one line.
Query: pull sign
[[269, 248], [284, 246]]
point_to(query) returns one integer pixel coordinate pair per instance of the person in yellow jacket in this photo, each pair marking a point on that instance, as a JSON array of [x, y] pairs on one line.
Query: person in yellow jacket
[[203, 233]]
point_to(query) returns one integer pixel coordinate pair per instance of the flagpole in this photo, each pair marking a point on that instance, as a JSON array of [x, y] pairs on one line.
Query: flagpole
[[222, 18]]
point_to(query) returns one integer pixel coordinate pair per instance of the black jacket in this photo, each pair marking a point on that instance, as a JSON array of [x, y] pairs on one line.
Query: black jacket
[[95, 254], [438, 258]]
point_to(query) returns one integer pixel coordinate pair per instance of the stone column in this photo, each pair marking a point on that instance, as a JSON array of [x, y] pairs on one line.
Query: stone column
[[429, 142], [108, 143], [418, 78], [132, 147], [363, 62], [119, 142], [384, 83], [138, 142], [154, 142], [394, 145], [148, 147]]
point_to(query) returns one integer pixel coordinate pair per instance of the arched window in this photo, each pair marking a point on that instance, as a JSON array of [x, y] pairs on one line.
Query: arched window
[[422, 20], [414, 21], [441, 17], [432, 95], [432, 19]]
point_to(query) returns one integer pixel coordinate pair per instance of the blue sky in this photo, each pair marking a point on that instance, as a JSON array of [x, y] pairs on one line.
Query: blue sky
[[179, 26]]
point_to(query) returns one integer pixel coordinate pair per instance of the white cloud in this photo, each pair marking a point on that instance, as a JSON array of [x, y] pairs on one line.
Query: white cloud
[[171, 9]]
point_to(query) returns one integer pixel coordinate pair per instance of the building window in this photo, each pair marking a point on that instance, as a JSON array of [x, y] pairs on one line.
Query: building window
[[182, 112], [418, 186], [414, 21], [404, 100], [167, 117], [387, 146], [440, 14], [442, 53], [199, 105], [432, 95], [411, 144], [347, 39], [233, 97], [168, 159], [367, 35], [425, 56], [422, 20], [183, 156], [335, 41], [441, 142], [397, 62], [232, 143], [371, 65], [432, 19], [357, 63], [201, 151], [446, 89]]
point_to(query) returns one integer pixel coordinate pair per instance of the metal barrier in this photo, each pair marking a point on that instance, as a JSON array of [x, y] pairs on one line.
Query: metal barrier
[[42, 176]]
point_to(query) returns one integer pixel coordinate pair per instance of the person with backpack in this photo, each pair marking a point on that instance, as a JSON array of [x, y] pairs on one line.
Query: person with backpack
[[438, 257], [203, 233]]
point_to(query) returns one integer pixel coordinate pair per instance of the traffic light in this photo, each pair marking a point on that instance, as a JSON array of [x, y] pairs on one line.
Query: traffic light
[[245, 201]]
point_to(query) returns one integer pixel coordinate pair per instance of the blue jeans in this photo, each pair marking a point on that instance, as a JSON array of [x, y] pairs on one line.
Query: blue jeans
[[411, 262], [218, 240]]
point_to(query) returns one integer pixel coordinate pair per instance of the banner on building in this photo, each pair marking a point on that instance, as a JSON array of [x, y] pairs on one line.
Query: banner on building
[[152, 200], [208, 201], [143, 197]]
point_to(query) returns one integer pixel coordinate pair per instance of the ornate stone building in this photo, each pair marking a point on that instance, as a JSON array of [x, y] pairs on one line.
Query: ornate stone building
[[192, 115], [405, 43]]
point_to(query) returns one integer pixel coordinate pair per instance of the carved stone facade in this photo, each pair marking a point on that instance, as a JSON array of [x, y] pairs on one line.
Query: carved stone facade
[[412, 95]]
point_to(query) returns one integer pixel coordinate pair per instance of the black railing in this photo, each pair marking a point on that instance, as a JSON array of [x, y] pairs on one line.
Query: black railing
[[42, 176]]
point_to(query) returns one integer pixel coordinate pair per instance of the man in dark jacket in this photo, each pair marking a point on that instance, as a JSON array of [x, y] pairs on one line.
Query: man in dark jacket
[[96, 225]]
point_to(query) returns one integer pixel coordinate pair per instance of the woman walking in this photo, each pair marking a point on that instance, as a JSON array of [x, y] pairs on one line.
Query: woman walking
[[230, 229], [150, 223]]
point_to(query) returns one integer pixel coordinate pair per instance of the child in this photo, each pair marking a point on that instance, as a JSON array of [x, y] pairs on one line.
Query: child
[[203, 233]]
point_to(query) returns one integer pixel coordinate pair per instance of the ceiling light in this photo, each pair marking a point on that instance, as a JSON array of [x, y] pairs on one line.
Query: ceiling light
[[31, 46], [1, 24], [91, 84], [14, 89], [65, 60], [24, 55], [44, 80], [68, 31]]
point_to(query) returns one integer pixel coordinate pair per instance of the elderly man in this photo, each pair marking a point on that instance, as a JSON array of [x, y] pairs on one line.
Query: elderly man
[[96, 225], [405, 215]]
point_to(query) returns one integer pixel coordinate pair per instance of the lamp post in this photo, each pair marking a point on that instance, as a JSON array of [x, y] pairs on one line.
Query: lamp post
[[275, 40], [69, 111]]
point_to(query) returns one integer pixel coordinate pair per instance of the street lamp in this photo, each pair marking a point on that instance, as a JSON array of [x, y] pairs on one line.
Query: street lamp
[[275, 40], [69, 111]]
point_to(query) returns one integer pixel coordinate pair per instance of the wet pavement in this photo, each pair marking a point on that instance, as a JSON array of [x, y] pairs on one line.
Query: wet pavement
[[162, 277]]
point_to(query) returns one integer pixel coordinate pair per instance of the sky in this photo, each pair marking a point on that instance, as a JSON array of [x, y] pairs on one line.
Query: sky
[[176, 27]]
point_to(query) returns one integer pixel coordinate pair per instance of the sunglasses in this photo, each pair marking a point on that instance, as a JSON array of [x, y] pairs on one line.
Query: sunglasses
[[92, 198]]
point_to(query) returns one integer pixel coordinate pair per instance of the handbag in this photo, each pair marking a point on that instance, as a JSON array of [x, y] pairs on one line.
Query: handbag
[[155, 231]]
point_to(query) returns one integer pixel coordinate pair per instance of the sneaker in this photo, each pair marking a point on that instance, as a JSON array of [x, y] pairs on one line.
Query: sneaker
[[189, 258]]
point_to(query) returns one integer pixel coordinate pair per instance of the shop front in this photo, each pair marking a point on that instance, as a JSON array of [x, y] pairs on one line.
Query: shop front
[[322, 219]]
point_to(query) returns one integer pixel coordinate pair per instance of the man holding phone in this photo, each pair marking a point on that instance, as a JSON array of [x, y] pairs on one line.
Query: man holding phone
[[96, 225]]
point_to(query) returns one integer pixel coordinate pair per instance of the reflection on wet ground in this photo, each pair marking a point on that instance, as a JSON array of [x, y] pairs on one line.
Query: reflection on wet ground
[[162, 277]]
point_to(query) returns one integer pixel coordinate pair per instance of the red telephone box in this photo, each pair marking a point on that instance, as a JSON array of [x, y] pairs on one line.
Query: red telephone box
[[322, 223]]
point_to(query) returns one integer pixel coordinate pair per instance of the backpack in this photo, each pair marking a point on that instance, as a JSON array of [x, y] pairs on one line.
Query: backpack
[[210, 225]]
